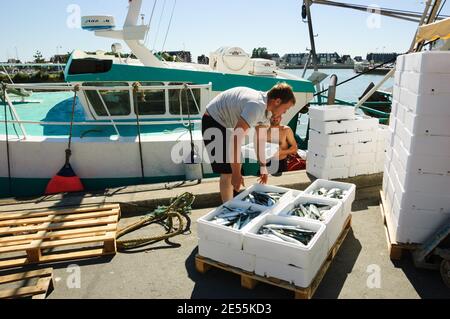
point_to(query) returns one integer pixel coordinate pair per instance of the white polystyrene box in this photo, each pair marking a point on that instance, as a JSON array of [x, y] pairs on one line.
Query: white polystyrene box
[[424, 145], [425, 104], [400, 64], [232, 238], [428, 62], [361, 169], [326, 173], [334, 221], [367, 147], [418, 226], [427, 124], [332, 113], [366, 136], [332, 139], [329, 162], [285, 252], [382, 132], [363, 158], [332, 127], [300, 277], [365, 123], [330, 151], [380, 156], [224, 254], [396, 93], [426, 83], [263, 188], [348, 199]]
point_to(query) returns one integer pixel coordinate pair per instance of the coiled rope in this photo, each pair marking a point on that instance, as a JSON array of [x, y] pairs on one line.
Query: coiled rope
[[177, 211]]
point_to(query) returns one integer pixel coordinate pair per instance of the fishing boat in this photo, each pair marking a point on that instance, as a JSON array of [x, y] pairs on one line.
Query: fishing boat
[[127, 121]]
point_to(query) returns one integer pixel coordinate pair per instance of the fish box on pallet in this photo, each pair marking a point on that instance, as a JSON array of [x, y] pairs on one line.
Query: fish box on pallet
[[347, 199], [415, 226], [332, 139], [210, 231], [333, 127], [382, 132], [274, 254], [329, 151], [287, 194], [425, 104], [224, 254], [326, 173], [333, 220], [332, 113]]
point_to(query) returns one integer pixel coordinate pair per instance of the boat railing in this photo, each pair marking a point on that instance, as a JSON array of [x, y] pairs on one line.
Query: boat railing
[[109, 120]]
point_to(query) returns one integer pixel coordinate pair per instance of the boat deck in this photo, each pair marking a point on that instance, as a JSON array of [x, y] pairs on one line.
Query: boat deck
[[168, 271]]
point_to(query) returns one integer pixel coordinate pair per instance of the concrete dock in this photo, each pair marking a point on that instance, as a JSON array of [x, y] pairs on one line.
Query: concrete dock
[[361, 269]]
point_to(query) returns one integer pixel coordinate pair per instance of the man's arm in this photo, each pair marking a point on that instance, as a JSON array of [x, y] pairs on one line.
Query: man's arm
[[260, 143], [293, 147]]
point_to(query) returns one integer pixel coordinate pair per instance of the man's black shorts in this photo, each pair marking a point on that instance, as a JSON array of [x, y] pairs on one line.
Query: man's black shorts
[[219, 165]]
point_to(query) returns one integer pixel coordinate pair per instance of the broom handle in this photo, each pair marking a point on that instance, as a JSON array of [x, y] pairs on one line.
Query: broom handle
[[69, 146]]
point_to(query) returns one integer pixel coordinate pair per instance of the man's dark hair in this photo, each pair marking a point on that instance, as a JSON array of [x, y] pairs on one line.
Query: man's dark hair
[[282, 91]]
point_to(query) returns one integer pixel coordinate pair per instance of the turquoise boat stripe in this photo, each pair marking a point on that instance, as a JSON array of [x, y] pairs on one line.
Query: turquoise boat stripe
[[220, 81]]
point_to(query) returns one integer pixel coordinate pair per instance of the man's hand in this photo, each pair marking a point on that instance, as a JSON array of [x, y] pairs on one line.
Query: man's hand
[[264, 176], [237, 181]]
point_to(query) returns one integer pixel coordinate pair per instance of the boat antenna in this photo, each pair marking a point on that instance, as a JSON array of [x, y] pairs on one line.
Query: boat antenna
[[149, 23], [159, 25], [168, 27]]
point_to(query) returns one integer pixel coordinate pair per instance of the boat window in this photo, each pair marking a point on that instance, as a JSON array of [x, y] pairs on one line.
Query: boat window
[[174, 101], [151, 102], [117, 102], [90, 65]]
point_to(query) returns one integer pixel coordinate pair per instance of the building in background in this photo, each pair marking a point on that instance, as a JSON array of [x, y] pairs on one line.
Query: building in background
[[381, 57], [275, 57], [202, 59]]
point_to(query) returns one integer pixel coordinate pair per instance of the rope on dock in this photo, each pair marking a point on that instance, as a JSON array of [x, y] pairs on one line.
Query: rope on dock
[[178, 210]]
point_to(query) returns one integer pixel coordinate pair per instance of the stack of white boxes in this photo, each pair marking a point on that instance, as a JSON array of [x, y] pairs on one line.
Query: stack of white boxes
[[416, 183], [247, 250], [343, 144]]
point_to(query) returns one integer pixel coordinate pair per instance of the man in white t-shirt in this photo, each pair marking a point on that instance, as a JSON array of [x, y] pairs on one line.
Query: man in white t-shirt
[[228, 119]]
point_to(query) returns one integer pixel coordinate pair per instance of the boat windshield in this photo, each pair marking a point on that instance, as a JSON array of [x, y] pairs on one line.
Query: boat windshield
[[117, 101]]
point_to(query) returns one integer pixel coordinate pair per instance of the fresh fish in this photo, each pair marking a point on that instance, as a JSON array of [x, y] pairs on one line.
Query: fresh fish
[[268, 199]]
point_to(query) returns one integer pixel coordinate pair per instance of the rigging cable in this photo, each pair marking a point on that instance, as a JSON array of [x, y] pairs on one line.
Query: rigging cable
[[168, 27], [159, 25], [442, 7], [149, 24], [136, 108]]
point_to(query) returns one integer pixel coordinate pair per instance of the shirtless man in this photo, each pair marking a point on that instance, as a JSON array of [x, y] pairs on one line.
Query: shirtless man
[[284, 137]]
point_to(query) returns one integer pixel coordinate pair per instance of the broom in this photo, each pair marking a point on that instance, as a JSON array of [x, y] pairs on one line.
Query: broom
[[66, 181]]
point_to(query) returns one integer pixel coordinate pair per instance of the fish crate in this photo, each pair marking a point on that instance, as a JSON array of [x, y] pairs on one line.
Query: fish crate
[[330, 151], [332, 139], [58, 235], [326, 173], [347, 199], [333, 127], [396, 249], [333, 221], [329, 162], [249, 280], [332, 113], [287, 194], [19, 285], [214, 232]]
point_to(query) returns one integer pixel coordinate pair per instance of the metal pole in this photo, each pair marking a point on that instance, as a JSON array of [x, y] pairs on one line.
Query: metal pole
[[332, 90], [6, 139], [313, 44]]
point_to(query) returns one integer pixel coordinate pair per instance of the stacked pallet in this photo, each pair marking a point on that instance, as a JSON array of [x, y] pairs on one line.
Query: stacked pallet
[[268, 257], [343, 144], [417, 169]]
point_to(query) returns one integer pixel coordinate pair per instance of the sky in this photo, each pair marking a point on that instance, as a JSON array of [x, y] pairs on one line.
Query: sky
[[203, 26]]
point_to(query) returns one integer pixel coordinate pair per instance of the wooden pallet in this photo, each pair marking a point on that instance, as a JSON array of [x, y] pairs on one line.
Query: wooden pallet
[[250, 280], [40, 290], [396, 250], [59, 235]]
